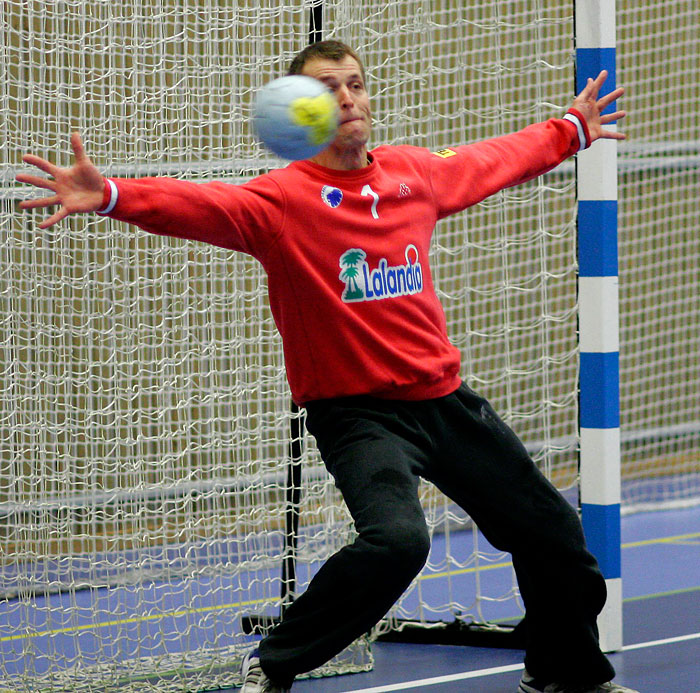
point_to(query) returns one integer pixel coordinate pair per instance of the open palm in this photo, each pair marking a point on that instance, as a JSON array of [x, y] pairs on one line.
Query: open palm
[[591, 107], [78, 188]]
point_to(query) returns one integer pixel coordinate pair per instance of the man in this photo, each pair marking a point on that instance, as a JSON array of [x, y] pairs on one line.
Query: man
[[367, 354]]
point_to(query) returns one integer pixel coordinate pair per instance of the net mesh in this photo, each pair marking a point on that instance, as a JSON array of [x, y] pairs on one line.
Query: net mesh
[[659, 286], [144, 412]]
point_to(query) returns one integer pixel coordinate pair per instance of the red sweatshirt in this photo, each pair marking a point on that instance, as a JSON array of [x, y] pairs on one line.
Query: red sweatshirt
[[346, 252]]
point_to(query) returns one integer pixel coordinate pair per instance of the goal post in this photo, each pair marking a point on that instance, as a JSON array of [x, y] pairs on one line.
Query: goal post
[[599, 405]]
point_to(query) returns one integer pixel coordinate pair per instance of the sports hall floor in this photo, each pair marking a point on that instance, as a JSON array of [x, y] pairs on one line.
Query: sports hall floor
[[661, 589]]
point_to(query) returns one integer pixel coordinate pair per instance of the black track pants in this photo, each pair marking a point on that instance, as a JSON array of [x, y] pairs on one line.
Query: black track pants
[[376, 451]]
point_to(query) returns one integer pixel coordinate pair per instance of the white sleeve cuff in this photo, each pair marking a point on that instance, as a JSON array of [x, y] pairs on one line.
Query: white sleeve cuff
[[114, 195], [583, 143]]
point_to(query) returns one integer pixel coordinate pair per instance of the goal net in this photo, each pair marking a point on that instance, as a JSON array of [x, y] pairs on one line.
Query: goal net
[[659, 49], [145, 418]]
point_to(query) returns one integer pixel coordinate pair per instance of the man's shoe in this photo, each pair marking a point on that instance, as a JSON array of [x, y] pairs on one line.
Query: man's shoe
[[254, 678], [528, 684]]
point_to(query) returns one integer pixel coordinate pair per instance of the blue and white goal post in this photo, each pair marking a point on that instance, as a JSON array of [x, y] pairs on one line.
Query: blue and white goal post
[[599, 398]]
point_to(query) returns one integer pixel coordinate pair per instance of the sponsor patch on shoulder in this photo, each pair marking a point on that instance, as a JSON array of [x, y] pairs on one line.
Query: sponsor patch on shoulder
[[445, 153]]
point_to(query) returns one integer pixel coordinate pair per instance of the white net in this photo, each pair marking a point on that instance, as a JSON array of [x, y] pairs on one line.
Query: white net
[[144, 414], [659, 58]]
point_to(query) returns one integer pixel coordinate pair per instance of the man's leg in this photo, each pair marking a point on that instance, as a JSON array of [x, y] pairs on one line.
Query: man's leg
[[484, 467], [376, 471]]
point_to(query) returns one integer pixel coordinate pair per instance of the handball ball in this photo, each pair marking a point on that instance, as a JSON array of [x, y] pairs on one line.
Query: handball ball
[[295, 116]]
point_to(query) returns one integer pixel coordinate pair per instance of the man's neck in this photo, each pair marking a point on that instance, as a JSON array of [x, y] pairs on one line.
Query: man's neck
[[345, 160]]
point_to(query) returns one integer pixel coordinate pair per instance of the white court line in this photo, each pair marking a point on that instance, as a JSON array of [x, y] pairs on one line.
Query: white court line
[[666, 641], [437, 680]]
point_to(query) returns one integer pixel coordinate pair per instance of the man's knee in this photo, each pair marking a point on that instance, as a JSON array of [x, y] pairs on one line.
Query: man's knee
[[402, 544]]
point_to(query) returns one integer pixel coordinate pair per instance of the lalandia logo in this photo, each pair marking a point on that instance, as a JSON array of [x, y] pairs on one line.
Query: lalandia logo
[[385, 281]]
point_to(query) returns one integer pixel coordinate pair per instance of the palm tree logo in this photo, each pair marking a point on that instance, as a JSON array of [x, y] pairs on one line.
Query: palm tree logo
[[349, 261]]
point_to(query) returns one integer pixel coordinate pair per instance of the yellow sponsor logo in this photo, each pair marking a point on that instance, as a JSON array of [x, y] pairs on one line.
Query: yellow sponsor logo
[[445, 153]]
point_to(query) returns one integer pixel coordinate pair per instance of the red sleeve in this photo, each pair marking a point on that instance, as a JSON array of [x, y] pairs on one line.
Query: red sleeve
[[244, 217], [464, 175]]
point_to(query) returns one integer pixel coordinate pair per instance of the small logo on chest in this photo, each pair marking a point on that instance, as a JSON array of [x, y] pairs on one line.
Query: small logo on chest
[[331, 196]]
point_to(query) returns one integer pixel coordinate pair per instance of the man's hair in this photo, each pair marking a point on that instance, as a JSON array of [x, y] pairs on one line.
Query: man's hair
[[330, 50]]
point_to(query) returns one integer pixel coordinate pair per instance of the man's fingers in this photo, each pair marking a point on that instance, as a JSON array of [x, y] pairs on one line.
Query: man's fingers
[[40, 202], [40, 163], [612, 117], [600, 79], [609, 135], [54, 218], [593, 85], [36, 181], [587, 91], [77, 145], [606, 100]]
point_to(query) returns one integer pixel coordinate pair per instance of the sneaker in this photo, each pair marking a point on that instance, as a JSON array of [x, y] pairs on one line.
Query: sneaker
[[528, 684], [254, 678]]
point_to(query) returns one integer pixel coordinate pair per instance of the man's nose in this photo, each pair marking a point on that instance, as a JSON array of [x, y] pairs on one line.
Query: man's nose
[[344, 98]]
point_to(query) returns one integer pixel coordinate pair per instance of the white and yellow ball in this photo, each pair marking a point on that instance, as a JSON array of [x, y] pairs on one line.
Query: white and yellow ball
[[296, 116]]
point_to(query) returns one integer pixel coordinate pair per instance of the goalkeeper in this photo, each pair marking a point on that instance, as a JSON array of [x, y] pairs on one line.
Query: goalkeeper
[[344, 239]]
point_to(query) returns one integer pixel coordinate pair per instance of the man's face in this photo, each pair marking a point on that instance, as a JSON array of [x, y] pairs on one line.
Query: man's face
[[344, 79]]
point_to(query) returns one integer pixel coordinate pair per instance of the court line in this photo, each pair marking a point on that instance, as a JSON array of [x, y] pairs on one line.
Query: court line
[[437, 680], [665, 641], [141, 618], [449, 678], [676, 539], [207, 609], [658, 595]]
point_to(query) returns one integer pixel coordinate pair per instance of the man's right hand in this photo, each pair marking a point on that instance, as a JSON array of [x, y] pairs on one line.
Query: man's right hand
[[78, 188]]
